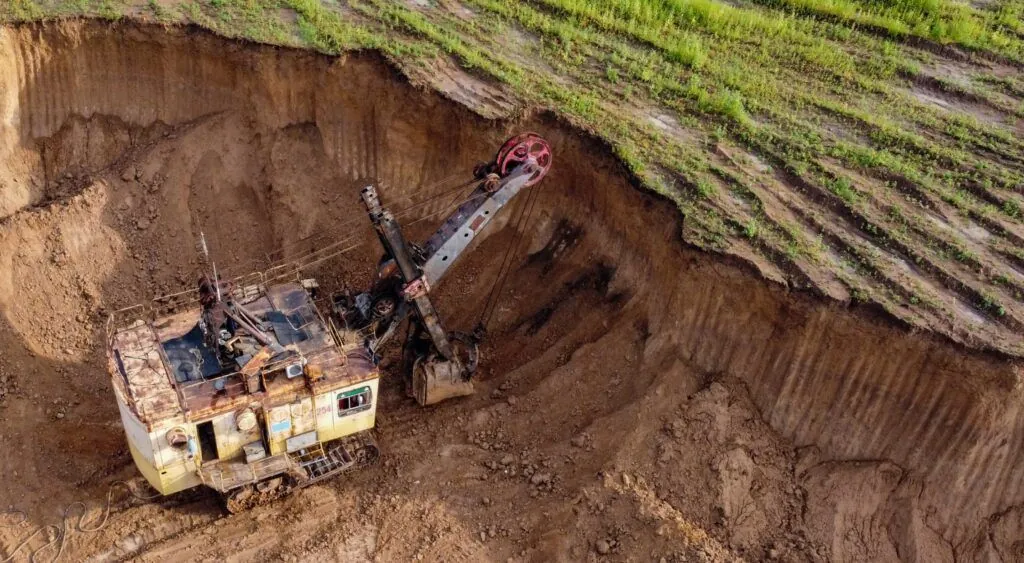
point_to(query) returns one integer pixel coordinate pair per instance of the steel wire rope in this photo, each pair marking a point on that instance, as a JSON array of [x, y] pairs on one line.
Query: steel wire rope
[[499, 283], [484, 317], [275, 258], [401, 211], [297, 264], [359, 232]]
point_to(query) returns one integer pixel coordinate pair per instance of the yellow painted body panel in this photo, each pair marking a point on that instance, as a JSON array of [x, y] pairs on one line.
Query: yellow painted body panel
[[167, 469], [319, 413], [286, 421], [231, 440], [170, 479], [331, 424], [146, 468]]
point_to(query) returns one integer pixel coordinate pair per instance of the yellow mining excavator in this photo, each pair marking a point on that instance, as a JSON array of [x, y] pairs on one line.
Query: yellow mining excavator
[[247, 387]]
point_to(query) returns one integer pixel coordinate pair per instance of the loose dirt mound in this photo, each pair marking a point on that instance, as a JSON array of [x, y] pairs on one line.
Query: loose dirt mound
[[638, 400]]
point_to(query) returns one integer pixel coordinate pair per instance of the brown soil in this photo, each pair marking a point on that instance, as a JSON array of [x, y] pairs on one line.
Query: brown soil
[[638, 400]]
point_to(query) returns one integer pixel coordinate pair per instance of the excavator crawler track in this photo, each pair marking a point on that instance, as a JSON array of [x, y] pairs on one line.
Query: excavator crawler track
[[313, 465]]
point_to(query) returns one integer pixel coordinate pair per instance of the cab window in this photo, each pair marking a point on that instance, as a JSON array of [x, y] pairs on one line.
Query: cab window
[[354, 401]]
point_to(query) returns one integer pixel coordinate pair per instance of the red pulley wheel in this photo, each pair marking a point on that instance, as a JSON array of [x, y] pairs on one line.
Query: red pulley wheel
[[520, 150]]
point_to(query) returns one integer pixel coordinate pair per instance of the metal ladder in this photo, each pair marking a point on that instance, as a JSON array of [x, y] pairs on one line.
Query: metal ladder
[[319, 464]]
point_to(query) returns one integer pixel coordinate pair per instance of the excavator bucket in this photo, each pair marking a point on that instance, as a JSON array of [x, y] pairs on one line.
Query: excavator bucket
[[436, 381]]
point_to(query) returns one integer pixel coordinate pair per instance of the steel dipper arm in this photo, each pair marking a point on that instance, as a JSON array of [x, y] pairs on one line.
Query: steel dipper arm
[[415, 288]]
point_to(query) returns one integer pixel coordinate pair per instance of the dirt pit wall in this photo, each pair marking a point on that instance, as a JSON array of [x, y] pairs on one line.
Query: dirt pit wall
[[121, 144]]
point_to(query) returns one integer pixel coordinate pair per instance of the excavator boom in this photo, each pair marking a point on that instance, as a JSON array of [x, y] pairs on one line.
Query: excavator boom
[[436, 368]]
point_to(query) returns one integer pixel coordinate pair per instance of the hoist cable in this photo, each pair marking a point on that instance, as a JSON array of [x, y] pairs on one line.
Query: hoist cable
[[503, 273]]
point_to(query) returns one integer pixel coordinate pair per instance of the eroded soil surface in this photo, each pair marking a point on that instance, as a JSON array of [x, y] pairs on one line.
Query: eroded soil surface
[[637, 401]]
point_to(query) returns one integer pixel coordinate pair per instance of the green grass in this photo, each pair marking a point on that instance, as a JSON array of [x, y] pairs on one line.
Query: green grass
[[161, 13], [25, 10], [942, 21]]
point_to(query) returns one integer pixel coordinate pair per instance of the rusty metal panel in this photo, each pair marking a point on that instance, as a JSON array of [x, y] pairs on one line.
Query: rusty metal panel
[[137, 350], [301, 441]]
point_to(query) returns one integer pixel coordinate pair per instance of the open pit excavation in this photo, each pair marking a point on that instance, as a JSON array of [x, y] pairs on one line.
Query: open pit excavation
[[635, 398]]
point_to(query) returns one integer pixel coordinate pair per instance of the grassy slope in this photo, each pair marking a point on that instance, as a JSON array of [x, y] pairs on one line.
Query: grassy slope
[[870, 150]]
